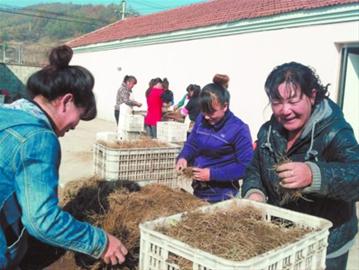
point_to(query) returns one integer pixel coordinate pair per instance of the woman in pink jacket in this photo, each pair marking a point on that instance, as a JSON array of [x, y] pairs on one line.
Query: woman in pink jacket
[[154, 106]]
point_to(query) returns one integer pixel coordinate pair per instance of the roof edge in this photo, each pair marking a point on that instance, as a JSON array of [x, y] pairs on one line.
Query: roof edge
[[326, 15]]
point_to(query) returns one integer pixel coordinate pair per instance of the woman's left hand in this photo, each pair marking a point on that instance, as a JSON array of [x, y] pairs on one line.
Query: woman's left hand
[[201, 174], [294, 175]]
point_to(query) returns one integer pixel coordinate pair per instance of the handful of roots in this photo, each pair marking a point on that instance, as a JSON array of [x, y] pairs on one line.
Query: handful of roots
[[288, 195], [186, 173]]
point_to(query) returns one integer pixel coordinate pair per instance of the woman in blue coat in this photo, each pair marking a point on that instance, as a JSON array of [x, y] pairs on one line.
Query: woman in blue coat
[[219, 147], [30, 156], [308, 148]]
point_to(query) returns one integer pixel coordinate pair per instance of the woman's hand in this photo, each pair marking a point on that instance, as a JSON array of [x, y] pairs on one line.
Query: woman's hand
[[201, 174], [255, 196], [294, 175], [181, 164], [115, 252]]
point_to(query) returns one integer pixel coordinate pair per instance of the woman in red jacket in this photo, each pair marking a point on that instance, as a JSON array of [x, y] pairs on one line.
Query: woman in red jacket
[[154, 106]]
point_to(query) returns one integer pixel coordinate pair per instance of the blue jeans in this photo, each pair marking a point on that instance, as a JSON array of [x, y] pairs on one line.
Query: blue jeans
[[338, 263], [151, 131]]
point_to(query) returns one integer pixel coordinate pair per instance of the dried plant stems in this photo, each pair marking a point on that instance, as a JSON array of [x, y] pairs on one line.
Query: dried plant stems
[[235, 234], [143, 142]]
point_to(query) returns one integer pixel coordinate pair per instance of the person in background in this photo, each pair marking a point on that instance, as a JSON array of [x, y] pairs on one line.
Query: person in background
[[221, 79], [313, 151], [29, 161], [167, 96], [4, 96], [192, 108], [123, 95], [218, 149], [181, 102], [154, 106]]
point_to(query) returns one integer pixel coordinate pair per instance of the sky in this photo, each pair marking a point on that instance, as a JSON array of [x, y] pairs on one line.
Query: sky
[[142, 6]]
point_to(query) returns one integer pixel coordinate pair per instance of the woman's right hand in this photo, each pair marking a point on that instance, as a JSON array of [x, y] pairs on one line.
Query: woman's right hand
[[181, 164], [115, 252], [255, 196]]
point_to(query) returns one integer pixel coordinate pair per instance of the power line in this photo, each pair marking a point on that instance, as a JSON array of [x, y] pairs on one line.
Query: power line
[[44, 17], [51, 15], [64, 15]]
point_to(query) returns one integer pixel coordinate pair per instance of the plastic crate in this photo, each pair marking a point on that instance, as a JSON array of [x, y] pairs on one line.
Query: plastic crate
[[134, 123], [171, 131], [307, 253], [106, 136], [143, 165]]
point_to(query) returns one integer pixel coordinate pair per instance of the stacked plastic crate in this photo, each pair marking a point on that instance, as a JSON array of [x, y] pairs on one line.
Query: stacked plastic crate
[[142, 165], [171, 131], [132, 128]]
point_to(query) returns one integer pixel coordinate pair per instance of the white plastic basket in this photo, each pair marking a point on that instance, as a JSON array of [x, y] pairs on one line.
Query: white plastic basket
[[134, 123], [307, 253], [155, 164], [106, 136], [171, 131]]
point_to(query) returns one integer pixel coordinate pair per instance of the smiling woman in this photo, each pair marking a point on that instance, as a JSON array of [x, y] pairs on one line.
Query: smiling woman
[[29, 161], [308, 147], [219, 147]]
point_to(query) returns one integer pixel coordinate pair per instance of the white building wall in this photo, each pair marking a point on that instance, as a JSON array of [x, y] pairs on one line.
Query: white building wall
[[246, 58]]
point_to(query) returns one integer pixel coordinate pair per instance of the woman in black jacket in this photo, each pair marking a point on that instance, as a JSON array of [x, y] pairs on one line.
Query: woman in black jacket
[[307, 158]]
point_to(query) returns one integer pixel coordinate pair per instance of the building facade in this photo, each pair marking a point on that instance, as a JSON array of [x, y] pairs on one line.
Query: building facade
[[243, 39]]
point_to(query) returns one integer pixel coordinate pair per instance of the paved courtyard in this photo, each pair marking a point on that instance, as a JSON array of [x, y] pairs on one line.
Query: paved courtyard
[[77, 163]]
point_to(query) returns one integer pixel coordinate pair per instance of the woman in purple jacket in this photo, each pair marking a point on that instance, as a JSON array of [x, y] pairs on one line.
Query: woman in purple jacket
[[219, 148]]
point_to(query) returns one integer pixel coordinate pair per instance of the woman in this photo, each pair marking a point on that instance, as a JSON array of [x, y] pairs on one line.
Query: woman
[[219, 147], [29, 160], [154, 106], [123, 95], [192, 108], [307, 149], [167, 96]]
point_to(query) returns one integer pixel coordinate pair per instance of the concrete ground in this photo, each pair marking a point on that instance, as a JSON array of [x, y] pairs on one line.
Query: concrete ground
[[76, 149], [77, 162]]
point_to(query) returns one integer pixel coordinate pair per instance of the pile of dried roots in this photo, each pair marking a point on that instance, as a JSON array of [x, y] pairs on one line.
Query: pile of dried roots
[[118, 207], [236, 234], [142, 142]]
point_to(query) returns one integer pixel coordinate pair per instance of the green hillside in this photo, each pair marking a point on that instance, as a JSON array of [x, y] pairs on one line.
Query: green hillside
[[35, 29]]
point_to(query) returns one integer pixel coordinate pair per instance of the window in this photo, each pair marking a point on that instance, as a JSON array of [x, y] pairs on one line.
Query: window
[[348, 98]]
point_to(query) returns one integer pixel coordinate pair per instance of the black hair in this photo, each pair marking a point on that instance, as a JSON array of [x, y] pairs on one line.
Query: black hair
[[59, 78], [196, 89], [210, 93], [165, 83], [295, 74], [152, 83], [129, 78]]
